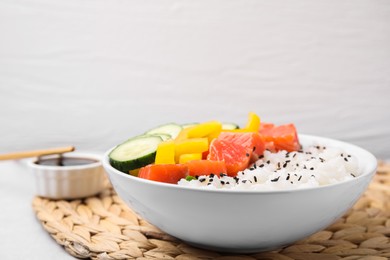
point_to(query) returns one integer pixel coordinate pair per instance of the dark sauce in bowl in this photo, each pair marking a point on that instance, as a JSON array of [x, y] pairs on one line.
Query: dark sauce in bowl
[[65, 161]]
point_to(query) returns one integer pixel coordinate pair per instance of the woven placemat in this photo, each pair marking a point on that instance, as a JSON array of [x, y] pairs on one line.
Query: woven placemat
[[103, 227]]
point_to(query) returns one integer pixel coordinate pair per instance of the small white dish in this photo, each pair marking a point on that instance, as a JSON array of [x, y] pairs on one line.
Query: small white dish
[[244, 221], [82, 179]]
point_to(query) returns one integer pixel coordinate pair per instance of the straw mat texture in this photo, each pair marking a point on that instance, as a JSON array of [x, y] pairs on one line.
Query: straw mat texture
[[103, 227]]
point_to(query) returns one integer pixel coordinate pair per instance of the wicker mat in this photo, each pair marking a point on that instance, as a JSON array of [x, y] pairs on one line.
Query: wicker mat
[[103, 227]]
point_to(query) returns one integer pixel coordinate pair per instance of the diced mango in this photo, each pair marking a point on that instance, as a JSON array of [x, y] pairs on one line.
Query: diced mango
[[165, 153], [190, 157]]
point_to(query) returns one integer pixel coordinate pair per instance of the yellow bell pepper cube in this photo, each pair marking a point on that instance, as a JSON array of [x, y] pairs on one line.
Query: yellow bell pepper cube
[[165, 153], [192, 145], [205, 129], [190, 157], [183, 134], [134, 172], [253, 124]]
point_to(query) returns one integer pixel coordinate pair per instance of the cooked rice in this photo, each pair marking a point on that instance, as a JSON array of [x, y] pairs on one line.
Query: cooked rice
[[311, 167]]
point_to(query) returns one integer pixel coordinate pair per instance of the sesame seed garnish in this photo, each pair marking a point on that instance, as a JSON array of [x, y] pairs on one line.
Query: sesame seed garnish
[[261, 165], [311, 168], [268, 162], [222, 182], [353, 175], [300, 177], [288, 177], [345, 159], [255, 178], [276, 179], [247, 154], [202, 179]]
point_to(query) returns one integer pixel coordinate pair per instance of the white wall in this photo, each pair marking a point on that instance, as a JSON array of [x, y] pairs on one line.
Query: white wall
[[94, 72]]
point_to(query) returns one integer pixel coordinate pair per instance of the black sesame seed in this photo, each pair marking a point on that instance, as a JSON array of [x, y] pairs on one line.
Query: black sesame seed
[[255, 178], [313, 176], [261, 165], [261, 156], [294, 155], [227, 182], [202, 179], [291, 182], [345, 159], [322, 159], [276, 179], [288, 177], [284, 165], [268, 162], [243, 181], [222, 174], [196, 176], [311, 168], [247, 154], [251, 168], [304, 167], [300, 177], [348, 155], [212, 175], [222, 182], [353, 175]]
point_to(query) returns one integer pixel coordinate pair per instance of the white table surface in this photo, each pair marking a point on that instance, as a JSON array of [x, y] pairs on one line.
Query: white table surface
[[21, 234]]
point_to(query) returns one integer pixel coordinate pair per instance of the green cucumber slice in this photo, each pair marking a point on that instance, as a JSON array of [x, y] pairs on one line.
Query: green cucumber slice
[[171, 129], [189, 125], [229, 126], [135, 153]]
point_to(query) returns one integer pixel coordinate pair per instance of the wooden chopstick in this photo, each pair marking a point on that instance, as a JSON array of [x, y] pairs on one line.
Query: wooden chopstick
[[26, 154]]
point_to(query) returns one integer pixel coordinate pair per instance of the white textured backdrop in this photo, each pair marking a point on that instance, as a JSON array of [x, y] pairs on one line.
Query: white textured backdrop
[[94, 72]]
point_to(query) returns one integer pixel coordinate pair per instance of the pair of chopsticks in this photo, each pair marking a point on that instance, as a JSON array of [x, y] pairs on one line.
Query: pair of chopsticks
[[34, 153]]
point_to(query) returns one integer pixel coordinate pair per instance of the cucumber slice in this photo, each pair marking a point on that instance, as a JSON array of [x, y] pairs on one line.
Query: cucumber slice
[[189, 125], [229, 126], [164, 137], [171, 129], [135, 153]]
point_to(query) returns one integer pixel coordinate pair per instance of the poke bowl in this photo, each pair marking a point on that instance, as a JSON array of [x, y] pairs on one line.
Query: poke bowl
[[243, 220]]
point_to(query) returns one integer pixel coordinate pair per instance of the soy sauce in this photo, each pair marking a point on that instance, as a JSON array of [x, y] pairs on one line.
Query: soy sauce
[[65, 161]]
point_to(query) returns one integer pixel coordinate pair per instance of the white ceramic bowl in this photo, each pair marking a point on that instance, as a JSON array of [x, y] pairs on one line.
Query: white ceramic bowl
[[244, 221], [69, 182]]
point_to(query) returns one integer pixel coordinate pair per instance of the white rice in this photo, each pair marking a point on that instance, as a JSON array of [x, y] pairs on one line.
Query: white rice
[[311, 167]]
